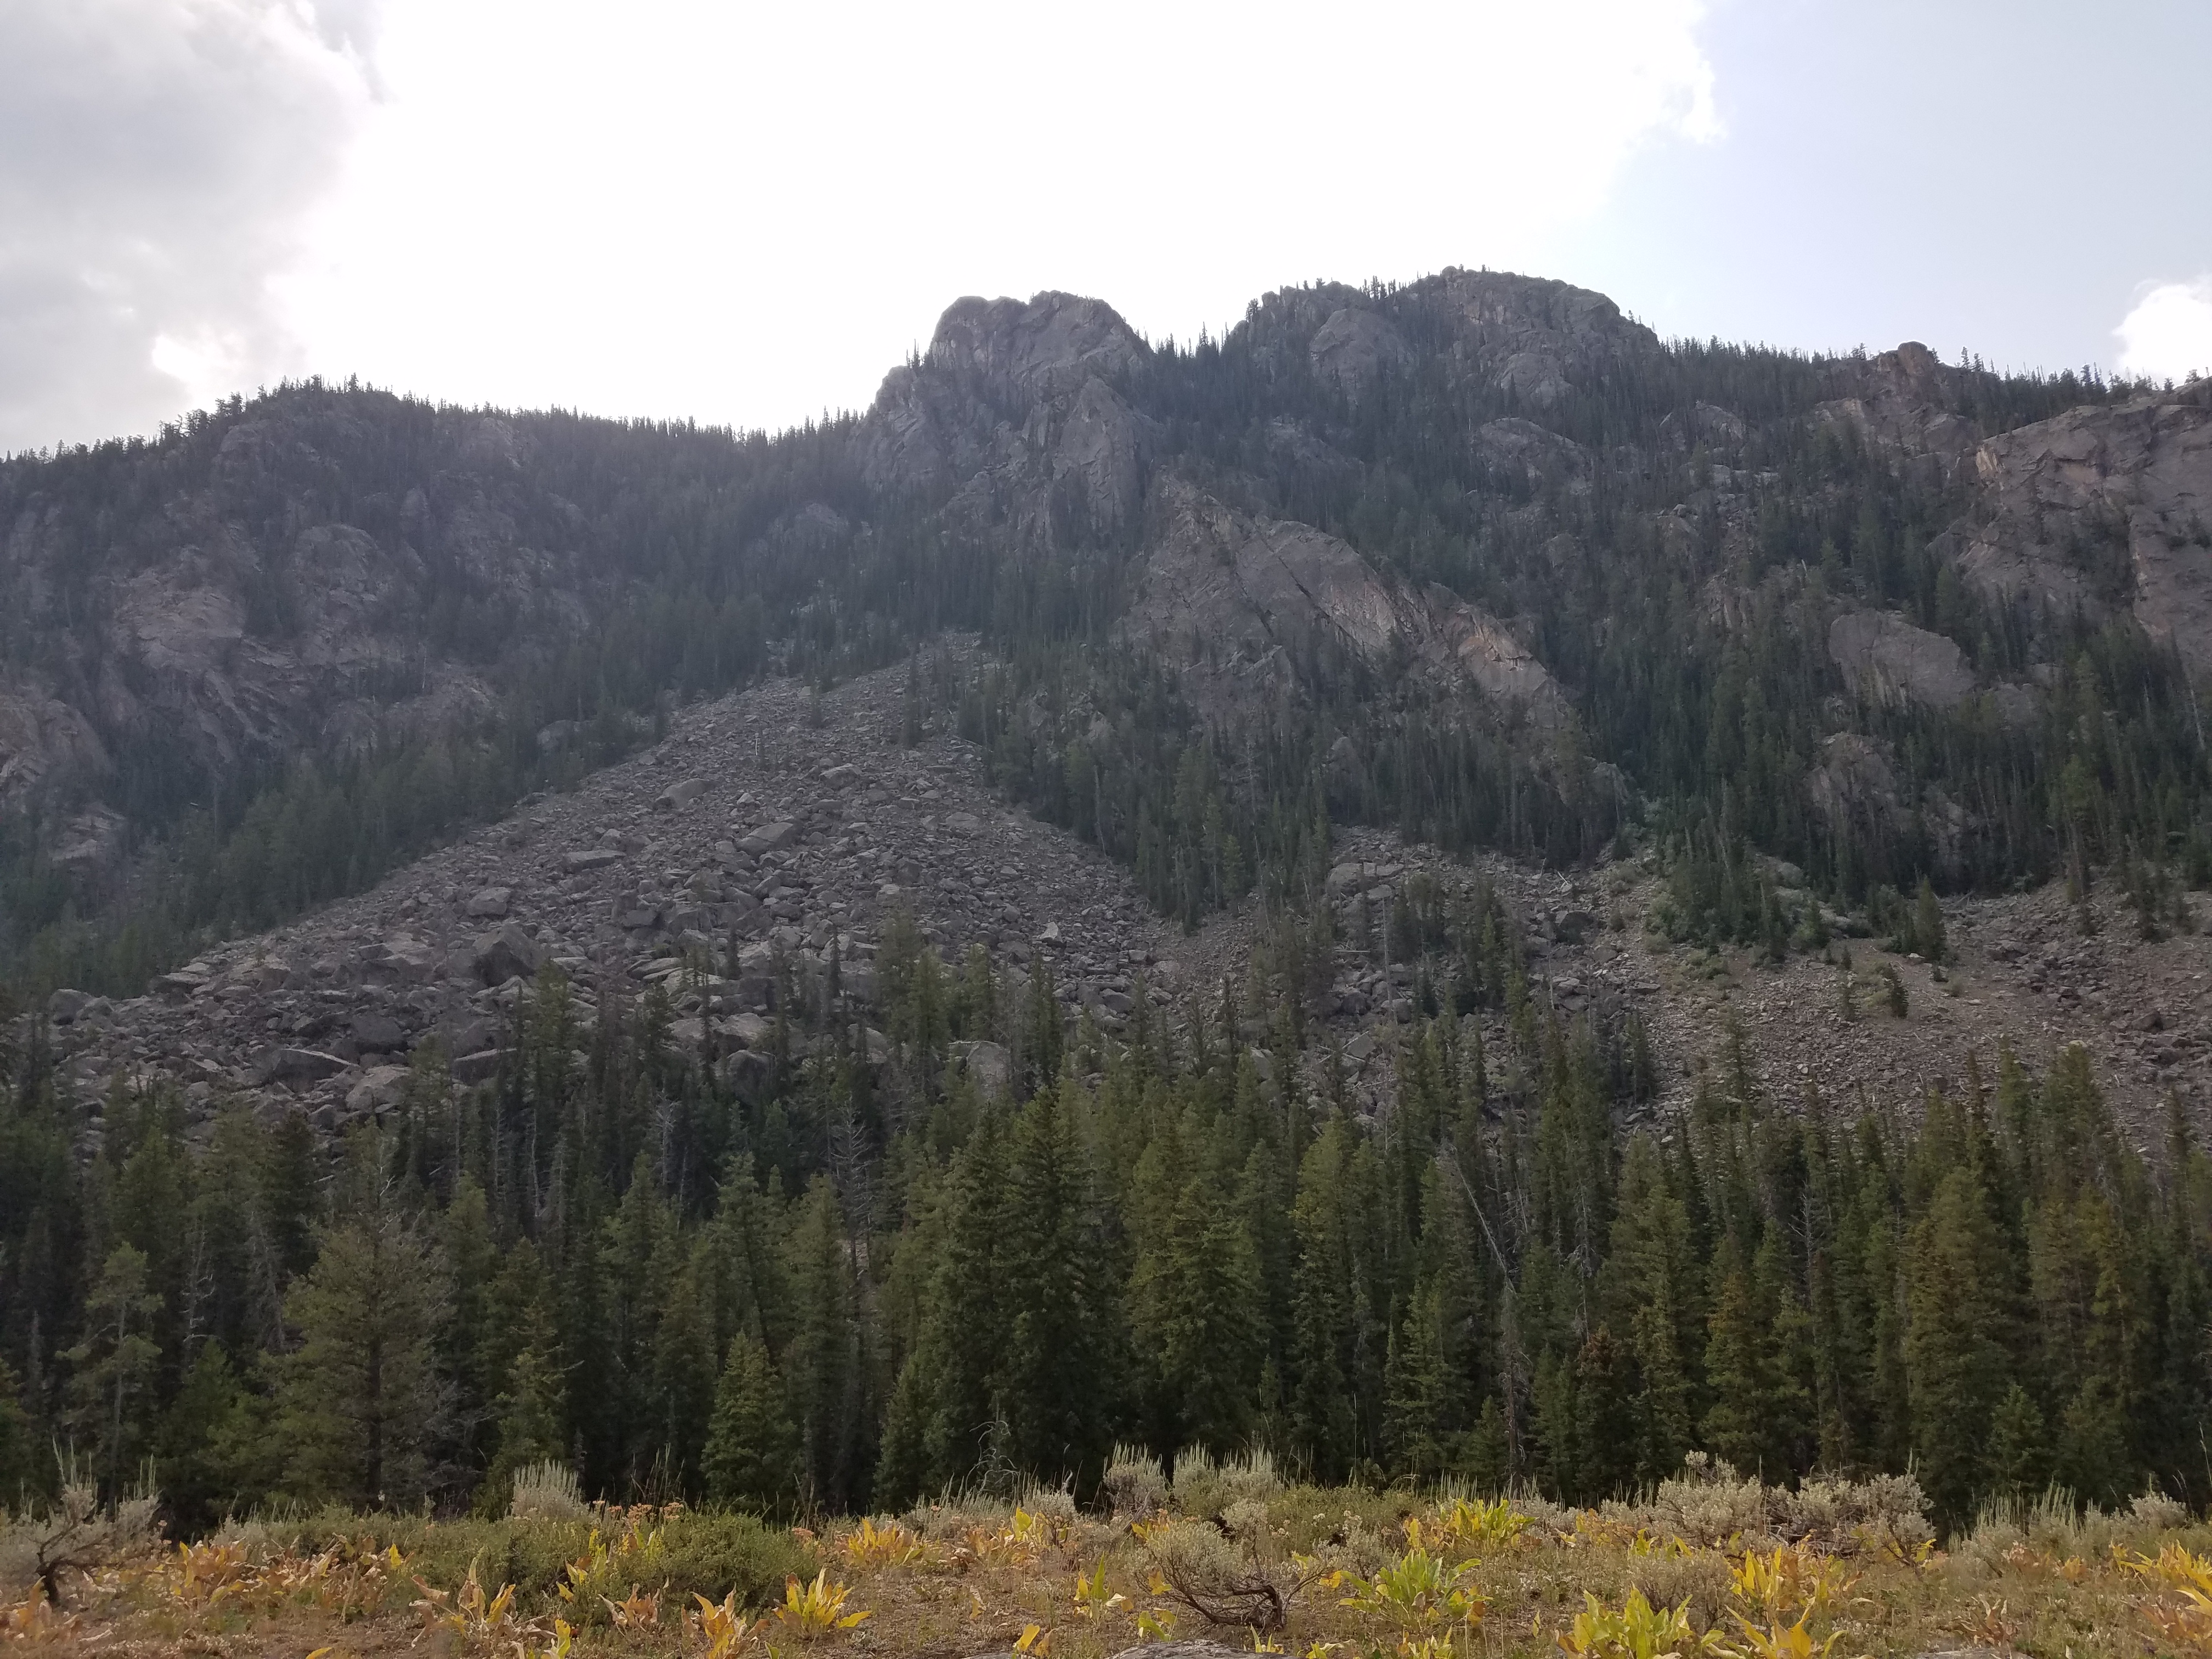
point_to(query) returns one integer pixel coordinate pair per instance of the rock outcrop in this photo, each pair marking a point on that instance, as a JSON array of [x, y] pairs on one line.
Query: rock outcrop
[[2104, 508], [1243, 604], [1891, 661]]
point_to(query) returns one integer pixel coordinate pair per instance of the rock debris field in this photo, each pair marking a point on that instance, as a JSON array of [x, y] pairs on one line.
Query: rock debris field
[[751, 823]]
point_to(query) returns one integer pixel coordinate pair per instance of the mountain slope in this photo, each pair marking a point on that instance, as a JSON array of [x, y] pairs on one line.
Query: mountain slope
[[1478, 555]]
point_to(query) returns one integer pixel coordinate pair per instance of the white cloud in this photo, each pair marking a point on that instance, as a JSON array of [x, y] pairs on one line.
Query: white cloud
[[749, 211], [2168, 334], [156, 156], [746, 210]]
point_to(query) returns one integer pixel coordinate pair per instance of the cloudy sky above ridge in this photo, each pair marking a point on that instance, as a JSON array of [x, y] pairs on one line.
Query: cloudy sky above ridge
[[744, 213]]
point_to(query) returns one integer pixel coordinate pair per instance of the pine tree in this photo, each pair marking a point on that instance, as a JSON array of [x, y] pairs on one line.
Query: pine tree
[[1419, 1406], [1055, 1391], [1735, 1425], [1327, 1308], [530, 1413], [1955, 1349], [2019, 1457], [753, 1457], [114, 1363], [820, 1363], [359, 1399], [1649, 1287]]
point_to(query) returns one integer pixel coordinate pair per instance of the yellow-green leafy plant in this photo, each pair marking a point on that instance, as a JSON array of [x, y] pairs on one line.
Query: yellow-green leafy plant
[[470, 1613], [1788, 1579], [1092, 1598], [1780, 1641], [1486, 1527], [1417, 1591], [1635, 1629], [817, 1610], [2185, 1619], [720, 1625], [891, 1544]]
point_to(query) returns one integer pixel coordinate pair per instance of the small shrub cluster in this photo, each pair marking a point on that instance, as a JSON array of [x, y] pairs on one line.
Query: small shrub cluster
[[1709, 1503]]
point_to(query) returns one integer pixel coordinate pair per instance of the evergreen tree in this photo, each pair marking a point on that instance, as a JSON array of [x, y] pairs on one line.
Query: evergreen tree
[[359, 1399], [1955, 1348], [753, 1455], [115, 1364], [1054, 1391]]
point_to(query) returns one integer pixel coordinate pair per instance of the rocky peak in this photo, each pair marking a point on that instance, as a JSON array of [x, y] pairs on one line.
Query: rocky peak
[[1026, 350], [1538, 339]]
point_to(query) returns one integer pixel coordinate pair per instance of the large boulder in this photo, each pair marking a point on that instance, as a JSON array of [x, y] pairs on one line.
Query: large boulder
[[507, 953], [1888, 661], [296, 1067]]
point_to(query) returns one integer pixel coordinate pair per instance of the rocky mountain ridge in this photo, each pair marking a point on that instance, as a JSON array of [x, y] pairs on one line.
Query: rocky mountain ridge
[[258, 600]]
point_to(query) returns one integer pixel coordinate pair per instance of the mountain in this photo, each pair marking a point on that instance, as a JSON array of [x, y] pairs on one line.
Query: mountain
[[1438, 886], [1477, 555]]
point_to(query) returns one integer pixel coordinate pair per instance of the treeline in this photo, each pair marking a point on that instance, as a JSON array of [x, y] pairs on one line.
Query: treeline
[[870, 1268]]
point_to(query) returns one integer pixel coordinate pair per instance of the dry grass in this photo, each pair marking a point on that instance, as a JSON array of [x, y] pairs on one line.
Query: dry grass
[[1302, 1571]]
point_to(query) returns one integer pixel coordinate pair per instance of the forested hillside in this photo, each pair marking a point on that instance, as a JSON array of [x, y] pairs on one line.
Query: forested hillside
[[855, 1286]]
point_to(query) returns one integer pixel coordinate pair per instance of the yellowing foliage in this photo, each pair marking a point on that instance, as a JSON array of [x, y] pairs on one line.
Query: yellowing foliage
[[1780, 1641], [1637, 1631], [1417, 1590], [891, 1544], [2186, 1623], [816, 1609], [1786, 1580]]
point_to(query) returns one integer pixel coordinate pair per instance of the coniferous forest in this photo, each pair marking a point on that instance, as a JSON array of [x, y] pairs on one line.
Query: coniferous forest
[[867, 1286]]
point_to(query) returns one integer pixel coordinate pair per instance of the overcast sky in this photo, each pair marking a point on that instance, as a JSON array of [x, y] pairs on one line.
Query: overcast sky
[[744, 213]]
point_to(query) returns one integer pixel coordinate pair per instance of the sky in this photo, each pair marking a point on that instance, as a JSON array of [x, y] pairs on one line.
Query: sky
[[744, 213]]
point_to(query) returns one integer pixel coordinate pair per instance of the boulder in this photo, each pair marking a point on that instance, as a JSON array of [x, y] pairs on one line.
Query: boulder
[[751, 1072], [187, 981], [988, 1064], [747, 1030], [1889, 660], [65, 1006], [296, 1066], [768, 838], [591, 858], [378, 1034], [680, 794], [507, 953], [491, 902], [381, 1086]]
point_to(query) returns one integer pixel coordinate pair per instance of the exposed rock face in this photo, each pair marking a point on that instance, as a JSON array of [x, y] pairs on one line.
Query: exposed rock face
[[1241, 602], [1538, 339], [1355, 348], [2105, 509], [44, 739], [1892, 661], [1536, 454], [1043, 373], [1907, 404]]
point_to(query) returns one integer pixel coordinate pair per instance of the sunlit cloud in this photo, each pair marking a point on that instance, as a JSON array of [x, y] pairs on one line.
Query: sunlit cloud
[[156, 159], [748, 212], [2168, 334]]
